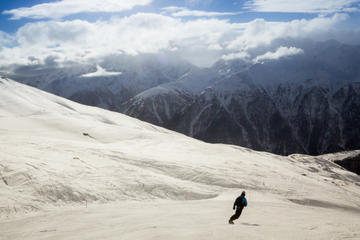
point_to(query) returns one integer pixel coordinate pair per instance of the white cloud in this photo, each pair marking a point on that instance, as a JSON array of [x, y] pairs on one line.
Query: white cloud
[[239, 55], [306, 6], [5, 39], [279, 53], [59, 9], [215, 47], [201, 41], [352, 9], [140, 33], [101, 72], [52, 34], [184, 12], [261, 32]]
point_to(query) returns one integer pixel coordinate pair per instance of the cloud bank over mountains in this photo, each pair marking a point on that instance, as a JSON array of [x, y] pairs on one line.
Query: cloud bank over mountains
[[198, 36], [279, 53]]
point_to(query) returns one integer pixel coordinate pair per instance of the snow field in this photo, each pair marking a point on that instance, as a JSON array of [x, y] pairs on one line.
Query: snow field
[[139, 181]]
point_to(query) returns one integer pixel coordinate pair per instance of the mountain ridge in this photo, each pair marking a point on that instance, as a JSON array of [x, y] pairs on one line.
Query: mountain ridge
[[295, 104]]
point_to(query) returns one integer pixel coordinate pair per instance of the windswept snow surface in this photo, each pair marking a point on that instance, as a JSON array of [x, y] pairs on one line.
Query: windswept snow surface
[[140, 181]]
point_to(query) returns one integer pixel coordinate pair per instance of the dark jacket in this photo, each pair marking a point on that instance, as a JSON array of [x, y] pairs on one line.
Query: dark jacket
[[240, 202]]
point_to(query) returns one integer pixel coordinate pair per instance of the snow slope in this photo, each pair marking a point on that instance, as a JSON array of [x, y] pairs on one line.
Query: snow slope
[[57, 155]]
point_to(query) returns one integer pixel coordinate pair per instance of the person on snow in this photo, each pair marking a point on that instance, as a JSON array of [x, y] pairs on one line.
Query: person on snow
[[239, 204]]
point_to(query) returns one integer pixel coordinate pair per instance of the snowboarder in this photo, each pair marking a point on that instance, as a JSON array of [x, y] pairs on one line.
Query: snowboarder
[[239, 204]]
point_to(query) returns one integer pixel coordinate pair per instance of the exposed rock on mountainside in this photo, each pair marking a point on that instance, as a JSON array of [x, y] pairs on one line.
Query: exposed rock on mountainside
[[350, 163]]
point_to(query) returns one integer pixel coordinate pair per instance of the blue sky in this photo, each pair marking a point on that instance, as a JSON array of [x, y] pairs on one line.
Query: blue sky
[[88, 29]]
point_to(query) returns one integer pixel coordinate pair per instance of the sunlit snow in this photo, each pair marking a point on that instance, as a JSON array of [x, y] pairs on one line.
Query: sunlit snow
[[69, 171]]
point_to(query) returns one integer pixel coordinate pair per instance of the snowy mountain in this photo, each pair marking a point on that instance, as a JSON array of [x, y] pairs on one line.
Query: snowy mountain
[[303, 103], [293, 118], [59, 161], [300, 104], [161, 104], [84, 83], [237, 111]]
